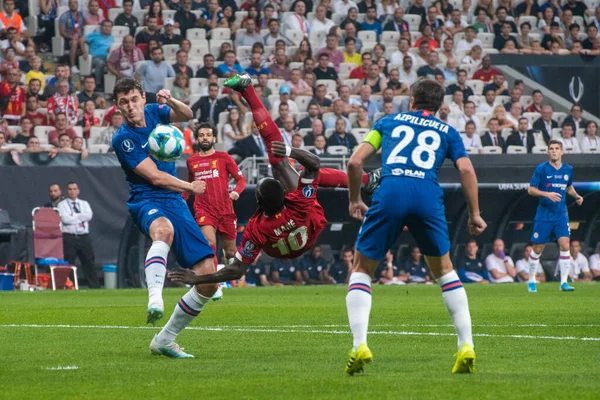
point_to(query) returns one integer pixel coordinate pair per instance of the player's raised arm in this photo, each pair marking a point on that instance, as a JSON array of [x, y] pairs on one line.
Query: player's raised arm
[[179, 111], [308, 160], [355, 171], [468, 180], [147, 170], [233, 271]]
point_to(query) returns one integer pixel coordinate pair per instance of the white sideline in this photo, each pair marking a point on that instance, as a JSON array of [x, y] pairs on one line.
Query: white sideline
[[61, 368], [313, 331]]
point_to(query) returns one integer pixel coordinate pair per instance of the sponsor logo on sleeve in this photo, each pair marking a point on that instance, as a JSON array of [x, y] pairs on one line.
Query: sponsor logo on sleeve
[[153, 211], [308, 191], [248, 248], [127, 146]]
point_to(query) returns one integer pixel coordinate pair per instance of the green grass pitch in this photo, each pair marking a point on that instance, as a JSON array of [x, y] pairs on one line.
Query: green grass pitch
[[292, 343]]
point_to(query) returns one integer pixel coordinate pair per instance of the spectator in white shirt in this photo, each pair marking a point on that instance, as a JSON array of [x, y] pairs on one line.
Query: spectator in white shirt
[[455, 24], [343, 6], [397, 57], [321, 24], [457, 106], [297, 21], [580, 268], [500, 266], [468, 115], [469, 41], [487, 106], [407, 74], [590, 140], [471, 138], [523, 267], [595, 265], [76, 215], [567, 139]]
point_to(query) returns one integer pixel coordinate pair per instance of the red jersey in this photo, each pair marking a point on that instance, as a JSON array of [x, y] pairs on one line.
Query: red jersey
[[16, 101], [289, 233], [215, 170], [358, 73], [488, 76], [38, 119]]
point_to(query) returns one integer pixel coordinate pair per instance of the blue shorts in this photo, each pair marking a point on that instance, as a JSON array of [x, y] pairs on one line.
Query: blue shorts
[[399, 202], [543, 230], [189, 244]]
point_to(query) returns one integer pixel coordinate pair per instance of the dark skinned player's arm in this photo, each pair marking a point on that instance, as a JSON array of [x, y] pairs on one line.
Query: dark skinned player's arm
[[232, 272], [286, 174]]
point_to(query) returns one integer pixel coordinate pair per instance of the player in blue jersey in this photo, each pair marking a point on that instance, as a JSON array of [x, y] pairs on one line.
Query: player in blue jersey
[[156, 205], [414, 146], [551, 182]]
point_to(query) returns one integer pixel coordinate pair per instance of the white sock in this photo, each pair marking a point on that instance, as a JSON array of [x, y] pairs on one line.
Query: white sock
[[457, 304], [156, 268], [534, 261], [564, 263], [358, 303], [188, 308]]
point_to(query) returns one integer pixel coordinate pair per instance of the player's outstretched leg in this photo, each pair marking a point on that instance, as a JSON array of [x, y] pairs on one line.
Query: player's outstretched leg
[[269, 131], [358, 303], [155, 270], [456, 301], [329, 177], [188, 308]]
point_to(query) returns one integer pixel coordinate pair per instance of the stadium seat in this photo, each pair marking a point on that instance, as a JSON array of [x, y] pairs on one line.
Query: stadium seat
[[169, 83], [295, 35], [471, 150], [89, 29], [119, 32], [492, 150], [239, 17], [337, 150], [329, 132], [506, 132], [559, 117], [170, 51], [532, 116], [41, 132], [99, 148], [302, 102], [377, 116], [516, 150], [197, 52], [330, 84], [487, 40], [304, 131], [114, 13], [274, 85], [470, 68], [539, 150], [85, 65], [360, 133], [484, 118], [99, 113], [195, 34], [351, 83], [592, 150], [338, 18], [414, 21], [296, 65], [556, 133], [109, 82], [367, 36], [476, 85]]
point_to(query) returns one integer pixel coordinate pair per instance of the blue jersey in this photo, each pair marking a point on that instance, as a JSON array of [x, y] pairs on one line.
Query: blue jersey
[[131, 147], [549, 179], [415, 145]]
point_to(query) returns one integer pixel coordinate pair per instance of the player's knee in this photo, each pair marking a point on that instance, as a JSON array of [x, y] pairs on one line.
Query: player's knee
[[163, 233]]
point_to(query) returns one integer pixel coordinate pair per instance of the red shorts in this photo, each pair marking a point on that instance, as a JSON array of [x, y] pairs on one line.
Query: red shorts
[[225, 224]]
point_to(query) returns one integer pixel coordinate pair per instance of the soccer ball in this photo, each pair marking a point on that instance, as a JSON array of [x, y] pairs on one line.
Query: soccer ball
[[166, 143]]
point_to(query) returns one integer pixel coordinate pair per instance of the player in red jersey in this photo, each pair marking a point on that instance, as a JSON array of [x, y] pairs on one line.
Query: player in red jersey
[[289, 219], [213, 209]]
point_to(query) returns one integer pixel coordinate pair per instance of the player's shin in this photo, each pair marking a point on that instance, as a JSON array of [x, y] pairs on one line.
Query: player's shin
[[188, 308], [358, 303], [457, 304], [564, 264], [155, 270], [533, 263], [329, 177]]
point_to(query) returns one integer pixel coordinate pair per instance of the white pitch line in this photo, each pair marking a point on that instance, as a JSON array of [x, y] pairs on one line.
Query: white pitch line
[[313, 331], [61, 368]]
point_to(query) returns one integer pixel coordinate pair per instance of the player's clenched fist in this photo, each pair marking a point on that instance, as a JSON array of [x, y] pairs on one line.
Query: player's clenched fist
[[476, 225], [358, 210], [198, 187], [163, 96], [279, 149], [234, 196]]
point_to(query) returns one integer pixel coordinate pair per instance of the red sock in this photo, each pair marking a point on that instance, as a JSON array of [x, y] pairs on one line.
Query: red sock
[[329, 177], [266, 126], [215, 259]]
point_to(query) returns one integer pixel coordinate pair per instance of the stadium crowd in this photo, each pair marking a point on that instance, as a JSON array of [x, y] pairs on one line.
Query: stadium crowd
[[407, 266], [325, 70]]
